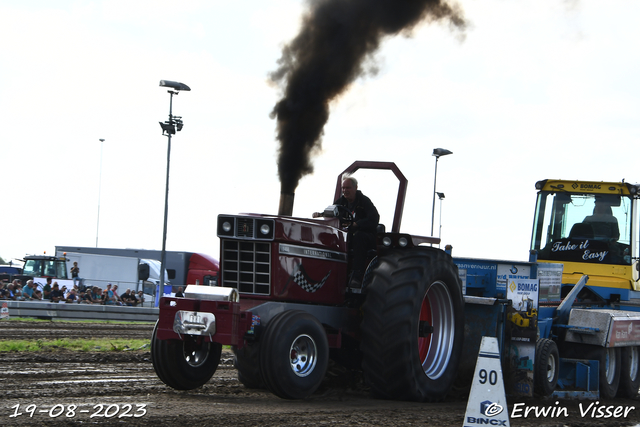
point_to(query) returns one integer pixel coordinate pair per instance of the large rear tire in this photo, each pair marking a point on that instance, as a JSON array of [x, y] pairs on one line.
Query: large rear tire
[[629, 372], [184, 364], [547, 367], [248, 366], [413, 325], [294, 354]]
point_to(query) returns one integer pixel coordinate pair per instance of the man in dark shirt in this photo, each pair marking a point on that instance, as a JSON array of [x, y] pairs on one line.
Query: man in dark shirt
[[46, 290], [127, 298], [362, 231], [75, 275], [56, 293]]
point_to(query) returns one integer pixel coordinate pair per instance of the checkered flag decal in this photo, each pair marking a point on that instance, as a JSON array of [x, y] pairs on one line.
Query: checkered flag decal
[[301, 279]]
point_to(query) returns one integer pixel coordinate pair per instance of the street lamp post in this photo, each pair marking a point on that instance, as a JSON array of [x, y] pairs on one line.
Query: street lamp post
[[437, 152], [169, 128], [99, 191]]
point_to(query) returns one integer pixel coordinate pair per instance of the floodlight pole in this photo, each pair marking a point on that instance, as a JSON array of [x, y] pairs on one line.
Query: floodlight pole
[[99, 191], [163, 255], [168, 128]]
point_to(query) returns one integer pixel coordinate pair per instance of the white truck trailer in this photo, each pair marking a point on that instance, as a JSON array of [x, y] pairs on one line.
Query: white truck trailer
[[126, 272]]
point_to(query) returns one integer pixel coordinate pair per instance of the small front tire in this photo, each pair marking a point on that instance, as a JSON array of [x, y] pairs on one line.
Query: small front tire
[[294, 355], [185, 364]]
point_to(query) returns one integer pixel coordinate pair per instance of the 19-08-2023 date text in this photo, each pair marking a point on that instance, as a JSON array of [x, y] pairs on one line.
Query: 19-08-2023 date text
[[99, 410]]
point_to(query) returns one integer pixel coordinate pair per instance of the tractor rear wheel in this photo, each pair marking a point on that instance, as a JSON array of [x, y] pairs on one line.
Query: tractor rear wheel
[[294, 354], [413, 325], [629, 372], [184, 364], [247, 364], [546, 368]]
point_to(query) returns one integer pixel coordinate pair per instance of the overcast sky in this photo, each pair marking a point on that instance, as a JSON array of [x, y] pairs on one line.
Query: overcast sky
[[533, 89]]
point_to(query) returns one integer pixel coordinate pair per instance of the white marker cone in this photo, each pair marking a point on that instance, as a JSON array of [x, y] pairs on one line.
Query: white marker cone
[[487, 404]]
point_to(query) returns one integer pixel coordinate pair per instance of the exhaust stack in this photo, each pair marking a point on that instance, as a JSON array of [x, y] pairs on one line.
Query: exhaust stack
[[286, 204]]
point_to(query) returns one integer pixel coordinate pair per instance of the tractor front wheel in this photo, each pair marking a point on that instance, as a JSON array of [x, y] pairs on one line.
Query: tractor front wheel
[[294, 354], [184, 364]]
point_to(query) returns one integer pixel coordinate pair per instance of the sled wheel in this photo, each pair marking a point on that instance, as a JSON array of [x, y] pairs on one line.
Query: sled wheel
[[629, 372], [413, 325], [185, 364], [246, 362], [609, 375], [547, 367], [294, 355]]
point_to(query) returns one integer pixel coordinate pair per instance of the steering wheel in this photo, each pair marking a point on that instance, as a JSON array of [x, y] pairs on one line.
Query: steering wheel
[[344, 215]]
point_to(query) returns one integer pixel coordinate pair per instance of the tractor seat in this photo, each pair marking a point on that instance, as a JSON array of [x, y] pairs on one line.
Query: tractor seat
[[606, 231], [581, 230]]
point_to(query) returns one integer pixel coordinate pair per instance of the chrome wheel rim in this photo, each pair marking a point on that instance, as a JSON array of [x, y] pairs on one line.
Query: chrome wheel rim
[[303, 355], [195, 354], [435, 348]]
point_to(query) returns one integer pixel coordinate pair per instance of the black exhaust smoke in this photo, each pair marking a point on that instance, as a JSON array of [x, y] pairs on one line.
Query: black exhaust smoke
[[335, 46]]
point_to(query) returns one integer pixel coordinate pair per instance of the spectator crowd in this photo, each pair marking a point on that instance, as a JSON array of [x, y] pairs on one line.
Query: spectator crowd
[[51, 292]]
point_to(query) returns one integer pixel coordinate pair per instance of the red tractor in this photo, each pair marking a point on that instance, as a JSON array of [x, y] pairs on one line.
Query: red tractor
[[285, 307]]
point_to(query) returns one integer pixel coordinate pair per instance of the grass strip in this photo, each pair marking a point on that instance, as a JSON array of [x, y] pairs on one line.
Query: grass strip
[[82, 345], [34, 320]]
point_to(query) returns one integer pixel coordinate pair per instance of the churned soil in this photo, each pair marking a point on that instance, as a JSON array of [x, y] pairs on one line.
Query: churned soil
[[121, 388]]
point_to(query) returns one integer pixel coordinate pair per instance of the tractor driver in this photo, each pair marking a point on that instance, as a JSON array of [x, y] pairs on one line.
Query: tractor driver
[[604, 224], [362, 232]]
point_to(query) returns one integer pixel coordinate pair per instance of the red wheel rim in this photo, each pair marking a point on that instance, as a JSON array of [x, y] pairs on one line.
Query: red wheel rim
[[425, 316]]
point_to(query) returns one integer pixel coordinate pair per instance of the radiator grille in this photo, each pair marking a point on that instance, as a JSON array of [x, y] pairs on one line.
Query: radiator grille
[[246, 266]]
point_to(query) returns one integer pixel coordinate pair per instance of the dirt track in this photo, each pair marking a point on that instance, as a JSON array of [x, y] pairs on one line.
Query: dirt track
[[120, 388]]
